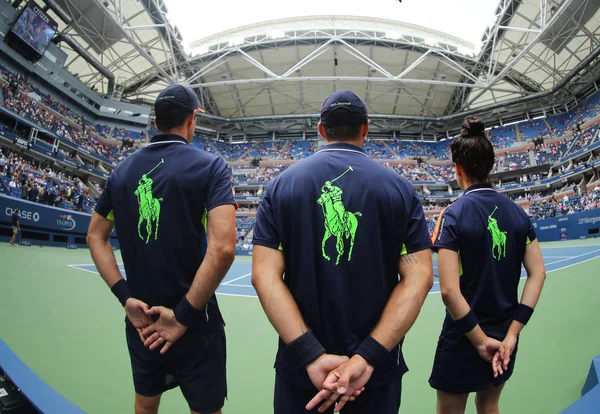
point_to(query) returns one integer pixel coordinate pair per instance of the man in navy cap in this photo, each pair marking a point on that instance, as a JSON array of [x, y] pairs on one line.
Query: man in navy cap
[[342, 228], [165, 200]]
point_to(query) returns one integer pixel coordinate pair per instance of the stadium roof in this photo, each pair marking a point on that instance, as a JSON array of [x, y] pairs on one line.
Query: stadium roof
[[275, 75]]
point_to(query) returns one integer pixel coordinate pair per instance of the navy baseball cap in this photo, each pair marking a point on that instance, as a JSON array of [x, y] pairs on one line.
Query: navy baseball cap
[[343, 108], [178, 98]]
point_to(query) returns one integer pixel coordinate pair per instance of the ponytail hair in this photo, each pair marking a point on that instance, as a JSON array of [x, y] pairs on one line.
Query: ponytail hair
[[473, 151]]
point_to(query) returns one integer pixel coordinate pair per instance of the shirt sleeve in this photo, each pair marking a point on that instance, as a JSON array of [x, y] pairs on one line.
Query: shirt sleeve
[[221, 187], [417, 236], [104, 206], [445, 235], [265, 229], [531, 236]]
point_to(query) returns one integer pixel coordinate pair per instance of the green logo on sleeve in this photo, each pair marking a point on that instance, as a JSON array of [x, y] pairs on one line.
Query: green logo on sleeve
[[338, 222], [149, 207], [498, 237]]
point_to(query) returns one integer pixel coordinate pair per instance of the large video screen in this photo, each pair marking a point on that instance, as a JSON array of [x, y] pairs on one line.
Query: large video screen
[[35, 28]]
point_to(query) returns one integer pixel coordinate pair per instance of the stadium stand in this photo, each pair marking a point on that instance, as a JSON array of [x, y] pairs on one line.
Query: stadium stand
[[412, 159], [43, 185], [575, 203], [503, 137], [533, 129]]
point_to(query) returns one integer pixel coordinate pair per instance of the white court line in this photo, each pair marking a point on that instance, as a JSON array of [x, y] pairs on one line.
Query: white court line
[[558, 261], [236, 285], [523, 277], [237, 278], [431, 293], [570, 247], [85, 270], [548, 271], [235, 294]]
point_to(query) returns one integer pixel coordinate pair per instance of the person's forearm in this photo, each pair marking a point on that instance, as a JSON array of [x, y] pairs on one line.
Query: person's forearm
[[401, 311], [105, 261], [531, 294], [458, 307], [280, 307], [211, 272]]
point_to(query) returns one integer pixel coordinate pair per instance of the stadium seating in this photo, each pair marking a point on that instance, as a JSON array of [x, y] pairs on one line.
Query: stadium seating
[[533, 129], [551, 207], [40, 108], [441, 172], [504, 137], [244, 226], [378, 150]]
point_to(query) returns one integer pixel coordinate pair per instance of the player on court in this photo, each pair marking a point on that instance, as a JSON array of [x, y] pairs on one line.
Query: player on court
[[165, 200], [16, 226], [482, 240], [341, 227]]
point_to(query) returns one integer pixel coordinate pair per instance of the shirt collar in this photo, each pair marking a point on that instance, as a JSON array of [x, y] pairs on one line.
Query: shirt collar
[[342, 146], [480, 186], [166, 138]]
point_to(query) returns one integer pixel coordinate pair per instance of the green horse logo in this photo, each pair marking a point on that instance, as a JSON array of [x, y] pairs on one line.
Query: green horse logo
[[338, 222], [149, 207], [498, 237]]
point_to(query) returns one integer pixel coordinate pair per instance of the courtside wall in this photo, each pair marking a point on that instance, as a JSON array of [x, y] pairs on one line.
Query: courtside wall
[[571, 227], [45, 225]]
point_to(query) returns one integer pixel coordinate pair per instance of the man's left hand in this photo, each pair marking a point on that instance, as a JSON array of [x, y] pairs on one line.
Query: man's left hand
[[166, 330], [136, 313], [343, 383]]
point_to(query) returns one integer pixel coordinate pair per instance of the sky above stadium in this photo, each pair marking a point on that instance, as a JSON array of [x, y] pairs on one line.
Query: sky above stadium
[[466, 19]]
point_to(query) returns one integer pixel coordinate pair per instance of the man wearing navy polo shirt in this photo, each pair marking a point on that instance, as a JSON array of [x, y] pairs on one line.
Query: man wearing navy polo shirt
[[341, 227], [165, 200]]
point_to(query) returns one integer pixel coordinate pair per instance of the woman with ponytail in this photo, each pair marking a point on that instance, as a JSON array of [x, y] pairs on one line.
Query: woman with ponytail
[[482, 240]]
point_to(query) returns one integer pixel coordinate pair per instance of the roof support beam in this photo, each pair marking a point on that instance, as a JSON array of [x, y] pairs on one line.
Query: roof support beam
[[413, 65], [257, 64], [311, 56], [338, 79], [522, 53], [365, 59]]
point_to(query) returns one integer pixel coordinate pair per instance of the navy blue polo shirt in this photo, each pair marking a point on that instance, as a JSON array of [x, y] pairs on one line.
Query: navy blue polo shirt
[[15, 219], [342, 221], [490, 233], [159, 198]]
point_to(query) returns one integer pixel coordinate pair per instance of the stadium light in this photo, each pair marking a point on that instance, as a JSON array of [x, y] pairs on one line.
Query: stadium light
[[393, 35], [200, 50], [512, 123], [236, 41], [538, 117], [430, 41], [276, 34], [466, 51]]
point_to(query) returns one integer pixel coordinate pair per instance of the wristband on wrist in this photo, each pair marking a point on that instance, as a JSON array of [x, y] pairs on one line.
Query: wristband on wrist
[[305, 349], [467, 322], [523, 313], [373, 352], [185, 313], [121, 291]]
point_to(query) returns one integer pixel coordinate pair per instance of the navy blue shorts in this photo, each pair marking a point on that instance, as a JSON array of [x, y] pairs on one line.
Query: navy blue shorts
[[459, 369], [196, 363], [291, 399]]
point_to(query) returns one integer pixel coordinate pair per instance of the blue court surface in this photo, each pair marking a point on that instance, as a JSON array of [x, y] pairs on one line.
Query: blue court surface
[[237, 281]]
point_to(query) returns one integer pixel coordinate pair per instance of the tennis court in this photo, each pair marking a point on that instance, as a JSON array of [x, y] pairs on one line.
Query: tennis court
[[69, 329]]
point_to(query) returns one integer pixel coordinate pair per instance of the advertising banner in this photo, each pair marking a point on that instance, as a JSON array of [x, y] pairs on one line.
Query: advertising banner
[[42, 216], [573, 226]]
